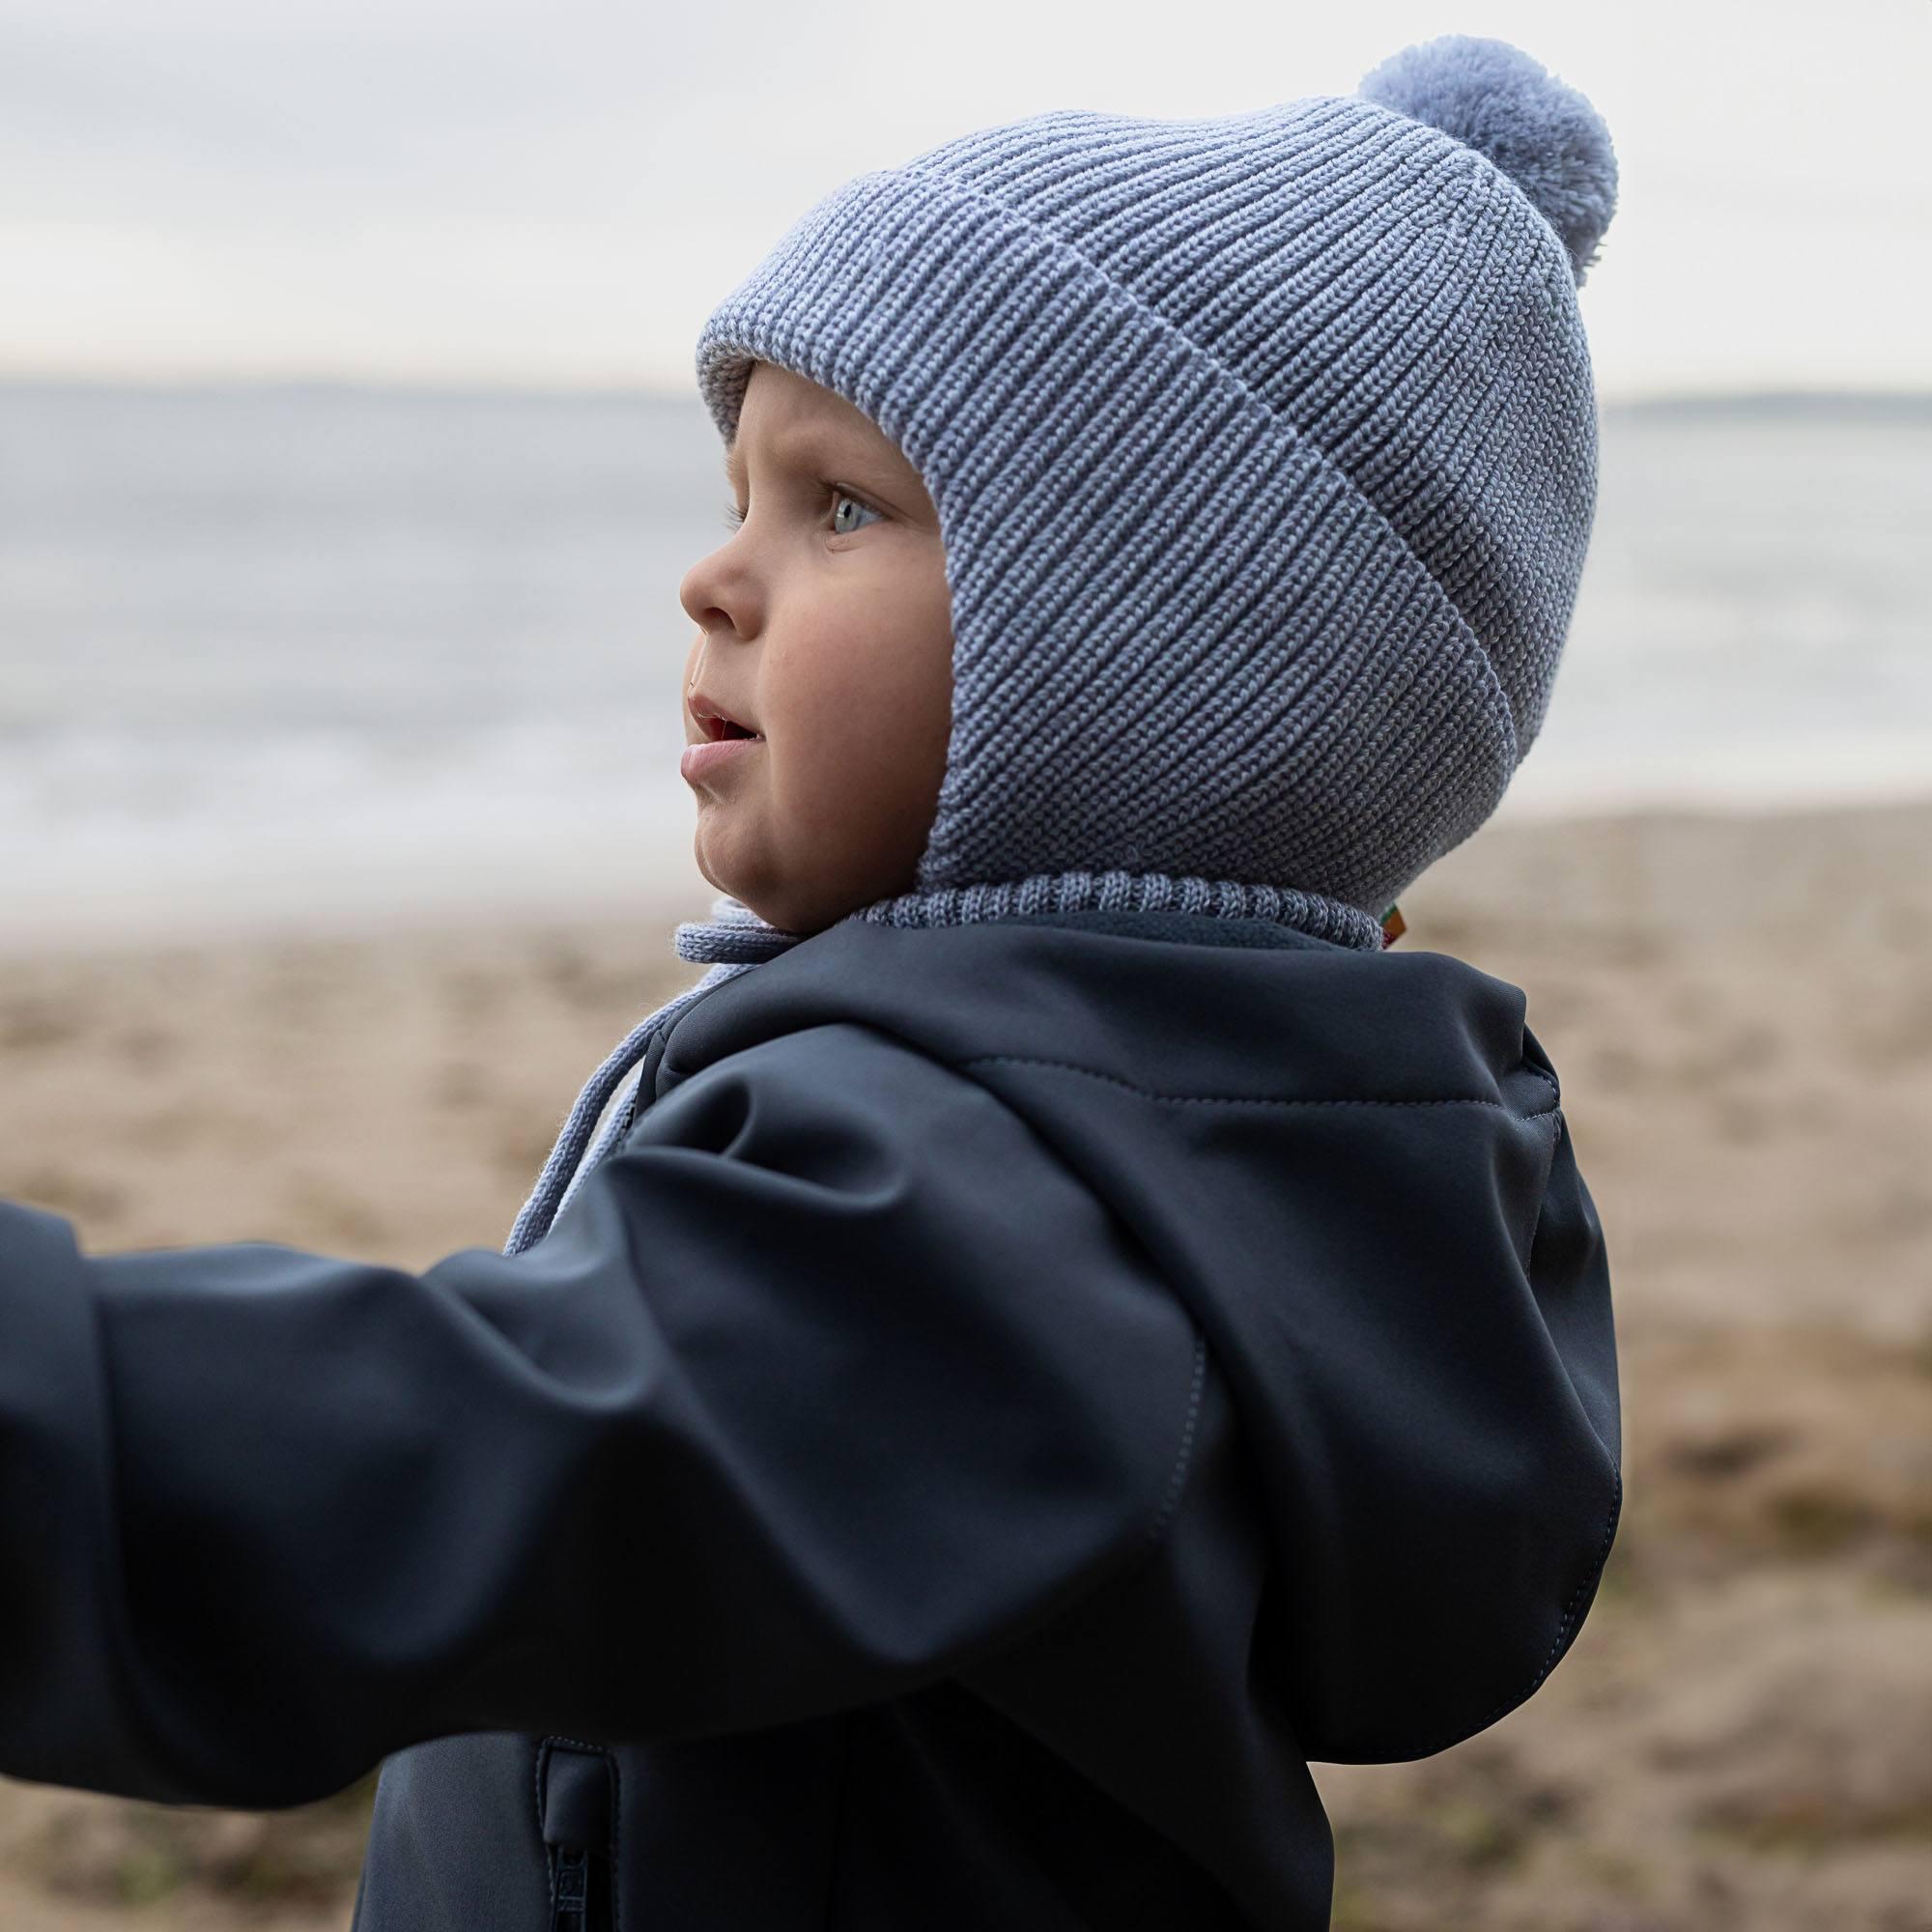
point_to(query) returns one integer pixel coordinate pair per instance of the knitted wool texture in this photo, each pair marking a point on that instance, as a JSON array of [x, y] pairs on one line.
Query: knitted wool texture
[[1265, 453]]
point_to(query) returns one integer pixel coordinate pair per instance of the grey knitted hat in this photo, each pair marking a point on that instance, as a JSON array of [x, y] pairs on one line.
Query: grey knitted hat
[[1264, 454]]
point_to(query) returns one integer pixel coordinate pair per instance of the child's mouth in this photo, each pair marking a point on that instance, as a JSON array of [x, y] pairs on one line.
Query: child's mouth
[[699, 761]]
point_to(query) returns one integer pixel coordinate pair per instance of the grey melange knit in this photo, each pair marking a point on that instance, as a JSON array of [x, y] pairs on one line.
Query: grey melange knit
[[1264, 452]]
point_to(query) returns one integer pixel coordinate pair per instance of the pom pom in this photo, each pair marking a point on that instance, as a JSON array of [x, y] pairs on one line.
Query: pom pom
[[1545, 136]]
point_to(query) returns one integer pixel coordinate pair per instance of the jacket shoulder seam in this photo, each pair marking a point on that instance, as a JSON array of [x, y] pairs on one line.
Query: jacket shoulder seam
[[1183, 1460], [1105, 1600], [1177, 1479], [1258, 1099]]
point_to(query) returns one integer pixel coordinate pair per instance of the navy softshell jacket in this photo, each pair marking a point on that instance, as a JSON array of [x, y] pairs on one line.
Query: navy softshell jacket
[[1017, 1394]]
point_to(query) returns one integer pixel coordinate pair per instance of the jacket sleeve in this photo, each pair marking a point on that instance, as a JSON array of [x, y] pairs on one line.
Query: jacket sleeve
[[830, 1380]]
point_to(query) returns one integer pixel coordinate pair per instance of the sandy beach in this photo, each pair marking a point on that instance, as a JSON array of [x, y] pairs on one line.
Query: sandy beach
[[1739, 1011]]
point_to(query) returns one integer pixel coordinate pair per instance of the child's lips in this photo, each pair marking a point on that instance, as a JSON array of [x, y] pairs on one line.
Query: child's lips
[[709, 754]]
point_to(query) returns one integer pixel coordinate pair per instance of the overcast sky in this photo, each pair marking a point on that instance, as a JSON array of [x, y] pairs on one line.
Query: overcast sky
[[558, 193]]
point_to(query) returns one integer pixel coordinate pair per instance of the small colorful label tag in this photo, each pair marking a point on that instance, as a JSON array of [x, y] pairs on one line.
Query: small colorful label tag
[[1393, 927]]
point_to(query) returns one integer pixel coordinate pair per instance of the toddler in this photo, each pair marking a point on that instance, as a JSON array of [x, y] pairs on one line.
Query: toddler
[[1061, 1327]]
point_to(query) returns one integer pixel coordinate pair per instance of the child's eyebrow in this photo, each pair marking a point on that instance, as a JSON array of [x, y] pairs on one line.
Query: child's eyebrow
[[804, 448]]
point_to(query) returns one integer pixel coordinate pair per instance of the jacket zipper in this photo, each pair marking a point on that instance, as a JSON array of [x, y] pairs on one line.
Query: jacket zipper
[[577, 1813], [570, 1892]]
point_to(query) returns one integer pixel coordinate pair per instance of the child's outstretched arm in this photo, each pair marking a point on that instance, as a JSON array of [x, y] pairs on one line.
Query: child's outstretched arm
[[780, 1418]]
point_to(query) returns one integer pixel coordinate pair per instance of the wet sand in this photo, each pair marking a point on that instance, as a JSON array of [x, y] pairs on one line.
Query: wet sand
[[1739, 1011]]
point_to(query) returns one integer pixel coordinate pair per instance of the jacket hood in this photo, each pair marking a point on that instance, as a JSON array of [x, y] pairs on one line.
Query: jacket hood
[[1355, 1172]]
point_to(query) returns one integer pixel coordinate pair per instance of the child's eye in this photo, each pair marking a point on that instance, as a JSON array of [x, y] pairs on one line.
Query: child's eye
[[835, 492], [840, 494]]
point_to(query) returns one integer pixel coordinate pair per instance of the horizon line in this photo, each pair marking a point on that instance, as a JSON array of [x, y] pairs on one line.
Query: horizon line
[[1656, 398]]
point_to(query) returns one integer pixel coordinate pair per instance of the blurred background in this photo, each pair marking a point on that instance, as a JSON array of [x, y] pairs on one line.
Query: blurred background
[[350, 462]]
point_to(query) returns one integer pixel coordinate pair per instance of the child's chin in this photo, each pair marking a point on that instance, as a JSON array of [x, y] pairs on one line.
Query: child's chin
[[718, 870]]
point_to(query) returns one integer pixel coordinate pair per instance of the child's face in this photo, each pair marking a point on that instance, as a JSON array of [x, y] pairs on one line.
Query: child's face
[[824, 624]]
